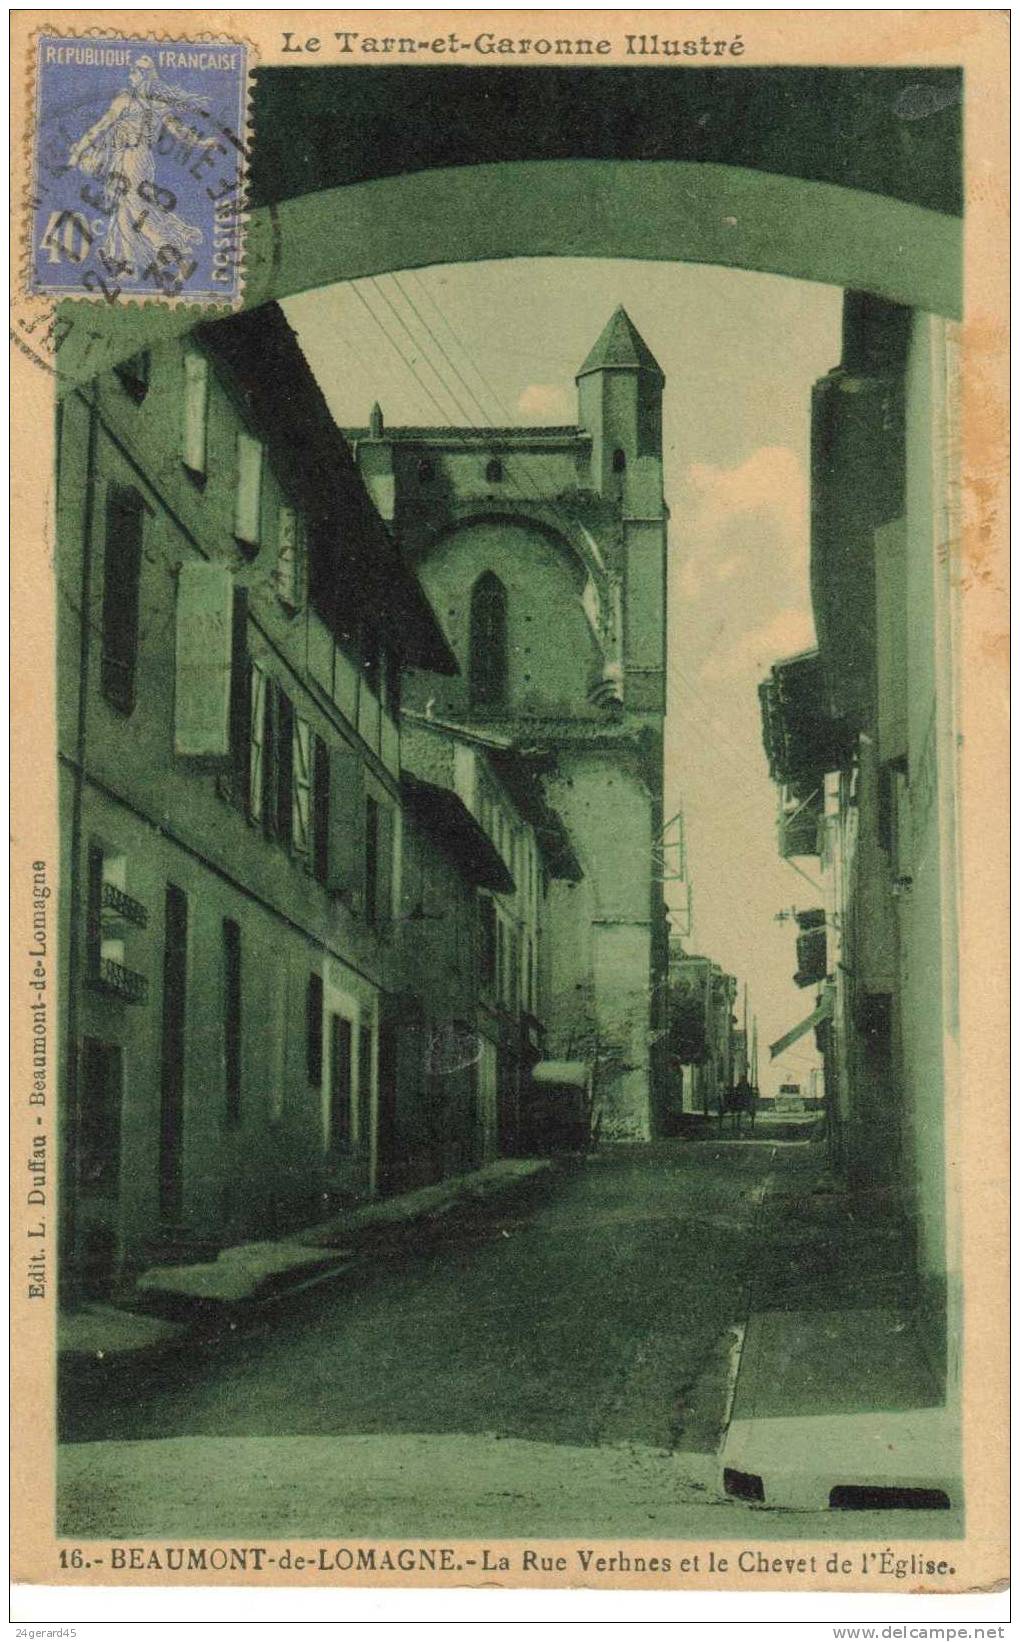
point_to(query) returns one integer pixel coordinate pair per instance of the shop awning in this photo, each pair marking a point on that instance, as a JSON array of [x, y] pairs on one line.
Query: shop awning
[[447, 820], [573, 1072], [823, 1012]]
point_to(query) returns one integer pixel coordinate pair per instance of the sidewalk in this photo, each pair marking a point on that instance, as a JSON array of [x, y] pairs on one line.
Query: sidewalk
[[176, 1301], [834, 1401]]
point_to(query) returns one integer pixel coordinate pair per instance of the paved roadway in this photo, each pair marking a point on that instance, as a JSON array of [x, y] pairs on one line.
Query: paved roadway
[[557, 1365]]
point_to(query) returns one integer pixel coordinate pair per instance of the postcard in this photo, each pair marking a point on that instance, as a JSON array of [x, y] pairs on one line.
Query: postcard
[[509, 800]]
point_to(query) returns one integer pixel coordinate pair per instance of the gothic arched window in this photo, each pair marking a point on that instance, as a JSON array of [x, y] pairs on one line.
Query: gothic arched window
[[494, 471], [487, 666]]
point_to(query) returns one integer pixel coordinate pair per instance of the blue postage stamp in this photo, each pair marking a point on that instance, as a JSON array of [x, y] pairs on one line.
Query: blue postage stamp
[[139, 168]]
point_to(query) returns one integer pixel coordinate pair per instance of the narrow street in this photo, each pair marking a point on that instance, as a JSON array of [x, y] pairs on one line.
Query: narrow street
[[580, 1318], [560, 1364]]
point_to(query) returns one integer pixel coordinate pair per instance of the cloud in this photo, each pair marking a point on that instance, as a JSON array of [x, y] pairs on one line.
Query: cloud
[[771, 480], [784, 634], [760, 505], [545, 401]]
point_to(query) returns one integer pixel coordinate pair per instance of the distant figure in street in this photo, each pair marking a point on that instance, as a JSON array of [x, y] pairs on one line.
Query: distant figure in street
[[740, 1100]]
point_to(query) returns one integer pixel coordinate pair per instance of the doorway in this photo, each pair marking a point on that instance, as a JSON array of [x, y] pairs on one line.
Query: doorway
[[99, 1133], [339, 1118], [171, 1128]]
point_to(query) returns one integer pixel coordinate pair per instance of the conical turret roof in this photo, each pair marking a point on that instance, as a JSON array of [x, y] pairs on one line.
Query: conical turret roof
[[621, 347]]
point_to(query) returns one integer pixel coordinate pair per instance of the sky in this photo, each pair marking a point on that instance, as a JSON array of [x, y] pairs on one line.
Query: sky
[[500, 342]]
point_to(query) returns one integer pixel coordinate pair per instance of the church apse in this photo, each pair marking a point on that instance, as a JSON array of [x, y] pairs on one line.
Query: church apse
[[542, 551]]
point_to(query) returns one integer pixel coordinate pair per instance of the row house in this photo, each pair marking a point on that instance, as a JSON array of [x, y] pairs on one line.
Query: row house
[[861, 738], [234, 622], [482, 849], [707, 1053]]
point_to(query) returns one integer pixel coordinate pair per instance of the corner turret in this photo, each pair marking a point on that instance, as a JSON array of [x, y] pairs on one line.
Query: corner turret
[[619, 392]]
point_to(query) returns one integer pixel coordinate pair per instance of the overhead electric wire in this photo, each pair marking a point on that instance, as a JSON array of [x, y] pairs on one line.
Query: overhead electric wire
[[485, 426], [738, 760]]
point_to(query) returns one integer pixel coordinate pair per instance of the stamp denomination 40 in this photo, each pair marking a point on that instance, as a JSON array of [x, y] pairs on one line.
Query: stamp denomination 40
[[139, 168]]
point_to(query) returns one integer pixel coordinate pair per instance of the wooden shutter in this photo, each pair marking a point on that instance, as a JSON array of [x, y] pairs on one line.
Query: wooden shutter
[[347, 825], [301, 787], [196, 403], [289, 568], [320, 809], [203, 663], [258, 739], [284, 767], [248, 499]]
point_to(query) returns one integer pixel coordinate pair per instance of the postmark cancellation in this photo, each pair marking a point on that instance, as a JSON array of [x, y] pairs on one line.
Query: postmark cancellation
[[139, 168]]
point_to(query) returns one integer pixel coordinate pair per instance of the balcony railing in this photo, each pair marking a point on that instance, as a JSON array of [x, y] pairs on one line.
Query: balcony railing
[[117, 982], [124, 906]]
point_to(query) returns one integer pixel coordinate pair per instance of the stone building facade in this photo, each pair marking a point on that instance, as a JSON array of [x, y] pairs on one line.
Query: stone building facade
[[481, 852], [543, 553], [863, 733], [706, 1053], [233, 624]]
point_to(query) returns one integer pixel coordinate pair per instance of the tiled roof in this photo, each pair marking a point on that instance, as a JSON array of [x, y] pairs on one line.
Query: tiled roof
[[621, 345], [354, 560]]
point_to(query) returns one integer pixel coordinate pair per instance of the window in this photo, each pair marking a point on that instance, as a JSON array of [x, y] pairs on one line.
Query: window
[[104, 927], [313, 1027], [494, 471], [273, 781], [290, 558], [133, 375], [232, 1021], [239, 703], [426, 471], [340, 1089], [122, 568], [487, 668], [248, 499], [194, 426], [282, 797], [619, 461]]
